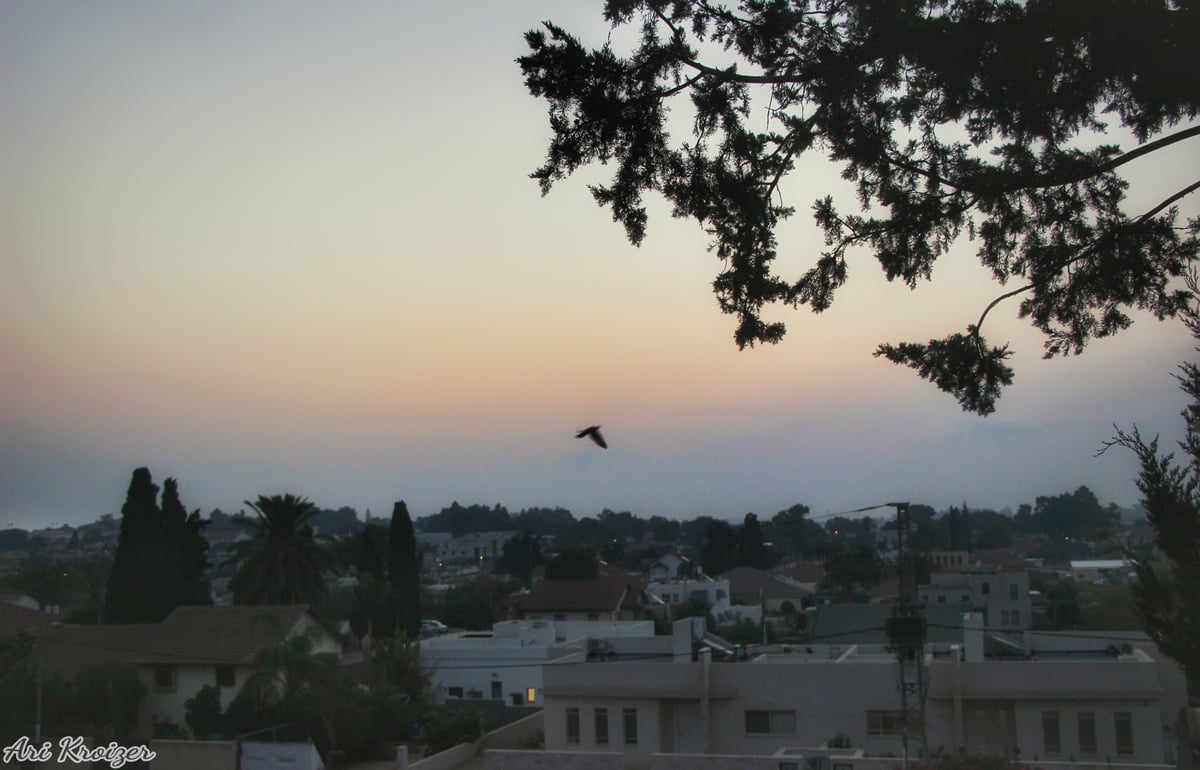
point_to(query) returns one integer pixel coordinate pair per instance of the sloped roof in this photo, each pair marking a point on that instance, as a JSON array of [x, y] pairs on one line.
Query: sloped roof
[[227, 635], [15, 618], [67, 648], [598, 595], [189, 635], [750, 580]]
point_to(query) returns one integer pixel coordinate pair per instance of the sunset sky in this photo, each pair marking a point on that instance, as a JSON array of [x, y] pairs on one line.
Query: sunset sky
[[289, 246]]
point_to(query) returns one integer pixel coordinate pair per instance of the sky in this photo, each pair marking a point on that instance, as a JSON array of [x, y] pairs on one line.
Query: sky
[[285, 246]]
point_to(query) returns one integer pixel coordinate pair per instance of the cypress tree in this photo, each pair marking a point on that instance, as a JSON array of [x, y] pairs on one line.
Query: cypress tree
[[128, 599], [185, 552], [370, 597], [404, 572], [161, 556]]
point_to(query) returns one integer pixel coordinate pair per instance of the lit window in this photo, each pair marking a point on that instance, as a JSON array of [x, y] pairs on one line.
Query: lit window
[[771, 722], [531, 695], [572, 725]]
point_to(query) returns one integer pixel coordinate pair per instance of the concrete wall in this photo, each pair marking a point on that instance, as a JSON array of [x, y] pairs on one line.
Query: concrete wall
[[194, 755], [500, 759]]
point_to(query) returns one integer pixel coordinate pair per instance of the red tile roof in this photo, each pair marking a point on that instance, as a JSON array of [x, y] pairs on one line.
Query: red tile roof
[[599, 595]]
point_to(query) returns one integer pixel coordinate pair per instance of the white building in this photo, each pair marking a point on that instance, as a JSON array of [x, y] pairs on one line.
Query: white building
[[476, 549], [506, 663], [999, 593], [1102, 571], [1092, 703]]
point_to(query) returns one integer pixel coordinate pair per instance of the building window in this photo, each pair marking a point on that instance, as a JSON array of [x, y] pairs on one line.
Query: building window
[[1015, 616], [164, 678], [1123, 727], [226, 677], [454, 692], [941, 597], [985, 588], [572, 725], [593, 616], [601, 718], [885, 724], [1087, 732], [771, 722], [530, 694], [630, 721], [1012, 591], [1051, 741]]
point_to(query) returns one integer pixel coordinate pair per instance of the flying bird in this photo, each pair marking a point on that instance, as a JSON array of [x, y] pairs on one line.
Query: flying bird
[[593, 432]]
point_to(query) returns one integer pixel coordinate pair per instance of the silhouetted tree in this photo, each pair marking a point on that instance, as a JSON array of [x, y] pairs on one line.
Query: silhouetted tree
[[129, 598], [185, 551], [573, 564], [370, 609], [719, 552], [1167, 596], [404, 572], [970, 118], [751, 552], [282, 563], [1077, 515], [519, 555]]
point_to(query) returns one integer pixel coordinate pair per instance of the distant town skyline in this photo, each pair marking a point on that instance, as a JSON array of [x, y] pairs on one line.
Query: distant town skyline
[[294, 247]]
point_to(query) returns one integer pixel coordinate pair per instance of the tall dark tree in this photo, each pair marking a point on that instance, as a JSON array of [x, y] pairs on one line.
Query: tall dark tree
[[132, 595], [1167, 596], [161, 557], [751, 551], [519, 555], [949, 118], [184, 551], [370, 608], [718, 554], [404, 573], [792, 530], [1077, 515], [573, 564], [282, 563]]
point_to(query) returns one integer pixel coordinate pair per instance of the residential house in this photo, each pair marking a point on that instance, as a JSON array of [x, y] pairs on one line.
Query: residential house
[[475, 549], [714, 593], [191, 648], [749, 585], [506, 663], [668, 566], [805, 575], [993, 583], [1101, 571], [609, 597]]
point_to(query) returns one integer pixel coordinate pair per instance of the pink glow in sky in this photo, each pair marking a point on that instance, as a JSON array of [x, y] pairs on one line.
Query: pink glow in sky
[[292, 246]]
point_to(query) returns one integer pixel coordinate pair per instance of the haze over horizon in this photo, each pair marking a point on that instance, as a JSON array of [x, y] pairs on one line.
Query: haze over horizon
[[294, 247]]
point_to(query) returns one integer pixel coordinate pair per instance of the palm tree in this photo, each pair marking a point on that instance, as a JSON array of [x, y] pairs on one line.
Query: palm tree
[[282, 563]]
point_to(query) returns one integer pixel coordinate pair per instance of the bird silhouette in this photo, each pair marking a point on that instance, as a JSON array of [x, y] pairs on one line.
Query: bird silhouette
[[593, 432]]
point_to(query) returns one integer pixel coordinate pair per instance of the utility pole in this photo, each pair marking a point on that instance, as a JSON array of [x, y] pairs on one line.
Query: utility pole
[[906, 635]]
